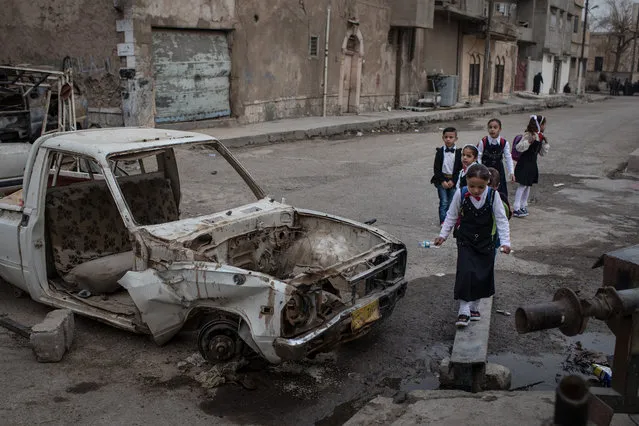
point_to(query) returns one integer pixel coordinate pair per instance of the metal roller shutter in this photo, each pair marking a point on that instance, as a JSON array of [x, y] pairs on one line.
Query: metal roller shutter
[[191, 71]]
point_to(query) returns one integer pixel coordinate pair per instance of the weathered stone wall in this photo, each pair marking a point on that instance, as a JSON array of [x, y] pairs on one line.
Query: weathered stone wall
[[43, 32], [500, 52]]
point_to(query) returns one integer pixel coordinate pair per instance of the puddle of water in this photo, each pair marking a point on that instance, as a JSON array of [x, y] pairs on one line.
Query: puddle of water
[[429, 382], [550, 368]]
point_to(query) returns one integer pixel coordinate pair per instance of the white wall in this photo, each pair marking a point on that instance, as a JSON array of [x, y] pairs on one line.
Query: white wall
[[533, 68], [546, 73]]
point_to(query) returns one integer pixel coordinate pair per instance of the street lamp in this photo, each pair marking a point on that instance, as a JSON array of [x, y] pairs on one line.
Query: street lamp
[[580, 72]]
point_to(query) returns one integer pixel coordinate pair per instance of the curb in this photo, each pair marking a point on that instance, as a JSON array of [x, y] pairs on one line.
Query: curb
[[401, 123]]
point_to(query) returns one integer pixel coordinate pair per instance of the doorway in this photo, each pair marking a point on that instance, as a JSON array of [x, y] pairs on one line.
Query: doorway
[[556, 75], [351, 72]]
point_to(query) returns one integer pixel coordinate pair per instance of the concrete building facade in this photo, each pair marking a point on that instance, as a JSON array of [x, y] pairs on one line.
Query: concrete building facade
[[456, 46], [165, 61], [549, 41], [601, 61]]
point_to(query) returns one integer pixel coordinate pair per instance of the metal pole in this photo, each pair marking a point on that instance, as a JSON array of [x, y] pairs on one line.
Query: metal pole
[[328, 29], [581, 71], [485, 89], [571, 402], [634, 47]]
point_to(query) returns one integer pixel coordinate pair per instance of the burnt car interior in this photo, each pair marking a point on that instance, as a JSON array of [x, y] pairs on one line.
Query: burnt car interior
[[88, 245]]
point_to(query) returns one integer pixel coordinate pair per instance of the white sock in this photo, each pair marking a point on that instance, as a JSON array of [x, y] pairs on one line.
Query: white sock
[[474, 305], [464, 308], [524, 198], [518, 196]]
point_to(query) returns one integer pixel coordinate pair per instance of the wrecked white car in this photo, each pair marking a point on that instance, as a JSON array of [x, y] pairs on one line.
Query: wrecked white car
[[100, 228]]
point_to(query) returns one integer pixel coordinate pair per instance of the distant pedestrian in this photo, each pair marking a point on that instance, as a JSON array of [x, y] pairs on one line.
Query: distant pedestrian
[[538, 80], [492, 150], [446, 170], [468, 158], [627, 87], [532, 144], [611, 86], [481, 212], [567, 88]]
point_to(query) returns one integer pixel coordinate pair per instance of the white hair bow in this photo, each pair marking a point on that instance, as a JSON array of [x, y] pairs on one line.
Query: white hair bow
[[536, 122]]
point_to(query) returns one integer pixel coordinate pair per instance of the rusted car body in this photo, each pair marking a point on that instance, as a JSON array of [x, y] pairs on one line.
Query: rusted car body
[[264, 277]]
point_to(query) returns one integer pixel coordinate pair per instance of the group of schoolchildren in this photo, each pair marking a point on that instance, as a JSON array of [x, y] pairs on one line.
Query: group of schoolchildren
[[471, 183]]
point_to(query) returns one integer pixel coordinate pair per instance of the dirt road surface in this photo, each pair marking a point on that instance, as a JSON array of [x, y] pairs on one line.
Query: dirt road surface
[[582, 208]]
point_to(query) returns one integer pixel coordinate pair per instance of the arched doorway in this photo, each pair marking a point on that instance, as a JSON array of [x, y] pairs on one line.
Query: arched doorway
[[351, 71]]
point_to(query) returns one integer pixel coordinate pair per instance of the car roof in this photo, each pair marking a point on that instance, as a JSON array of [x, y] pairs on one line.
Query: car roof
[[109, 141]]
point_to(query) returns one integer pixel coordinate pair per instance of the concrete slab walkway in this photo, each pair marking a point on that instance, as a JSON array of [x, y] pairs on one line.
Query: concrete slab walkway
[[453, 408], [311, 127]]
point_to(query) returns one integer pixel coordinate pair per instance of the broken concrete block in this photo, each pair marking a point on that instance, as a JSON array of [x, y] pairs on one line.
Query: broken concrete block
[[446, 376], [53, 337], [498, 377]]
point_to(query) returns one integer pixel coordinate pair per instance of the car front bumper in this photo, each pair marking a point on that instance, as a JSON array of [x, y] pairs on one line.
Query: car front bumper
[[338, 329]]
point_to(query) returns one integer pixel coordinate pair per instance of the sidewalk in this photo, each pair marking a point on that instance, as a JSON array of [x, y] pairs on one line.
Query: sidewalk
[[289, 130], [452, 408]]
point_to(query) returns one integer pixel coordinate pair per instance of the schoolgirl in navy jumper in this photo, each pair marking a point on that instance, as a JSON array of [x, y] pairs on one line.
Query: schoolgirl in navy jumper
[[532, 144], [446, 170], [481, 211], [492, 150], [468, 158]]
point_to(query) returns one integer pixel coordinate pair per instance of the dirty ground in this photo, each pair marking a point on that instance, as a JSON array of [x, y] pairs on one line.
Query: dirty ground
[[128, 379]]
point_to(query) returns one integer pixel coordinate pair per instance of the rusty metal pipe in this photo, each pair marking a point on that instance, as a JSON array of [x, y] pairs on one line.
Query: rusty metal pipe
[[563, 312], [570, 314], [571, 402]]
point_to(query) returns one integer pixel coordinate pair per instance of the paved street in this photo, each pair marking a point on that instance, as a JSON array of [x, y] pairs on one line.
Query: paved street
[[113, 377]]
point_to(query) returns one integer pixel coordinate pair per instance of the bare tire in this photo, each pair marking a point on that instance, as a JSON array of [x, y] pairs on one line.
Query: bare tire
[[218, 341]]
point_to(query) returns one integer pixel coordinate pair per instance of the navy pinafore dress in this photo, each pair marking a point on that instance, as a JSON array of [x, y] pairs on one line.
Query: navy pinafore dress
[[493, 156], [475, 278]]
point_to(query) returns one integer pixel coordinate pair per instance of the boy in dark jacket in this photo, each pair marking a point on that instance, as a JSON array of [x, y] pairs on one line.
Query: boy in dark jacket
[[446, 170]]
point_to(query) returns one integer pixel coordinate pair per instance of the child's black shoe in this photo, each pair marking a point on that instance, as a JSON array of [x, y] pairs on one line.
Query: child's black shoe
[[475, 316], [462, 321]]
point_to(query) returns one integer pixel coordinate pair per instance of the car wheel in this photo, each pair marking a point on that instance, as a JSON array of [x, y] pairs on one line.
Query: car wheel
[[218, 341]]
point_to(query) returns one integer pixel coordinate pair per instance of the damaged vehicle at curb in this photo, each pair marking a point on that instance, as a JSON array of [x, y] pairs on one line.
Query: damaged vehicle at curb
[[101, 227]]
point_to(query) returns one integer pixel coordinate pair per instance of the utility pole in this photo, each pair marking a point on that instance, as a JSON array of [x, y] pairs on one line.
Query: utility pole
[[633, 66], [582, 66], [485, 87]]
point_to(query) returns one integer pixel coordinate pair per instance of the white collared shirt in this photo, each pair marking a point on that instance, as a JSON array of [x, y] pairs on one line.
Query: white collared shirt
[[449, 161], [498, 211], [510, 167], [462, 173]]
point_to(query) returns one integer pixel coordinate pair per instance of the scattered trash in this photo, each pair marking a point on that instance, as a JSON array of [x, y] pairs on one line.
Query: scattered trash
[[506, 313], [195, 360], [211, 155], [439, 274], [360, 134], [603, 373], [221, 374], [416, 130], [214, 172], [557, 185]]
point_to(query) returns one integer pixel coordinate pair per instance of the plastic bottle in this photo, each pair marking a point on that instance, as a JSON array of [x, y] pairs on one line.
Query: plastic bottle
[[425, 244], [603, 373]]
